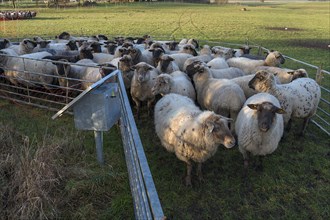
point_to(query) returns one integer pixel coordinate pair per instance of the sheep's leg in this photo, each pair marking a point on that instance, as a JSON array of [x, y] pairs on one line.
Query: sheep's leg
[[288, 125], [199, 172], [305, 123], [150, 102], [259, 166], [246, 163], [188, 177], [138, 104]]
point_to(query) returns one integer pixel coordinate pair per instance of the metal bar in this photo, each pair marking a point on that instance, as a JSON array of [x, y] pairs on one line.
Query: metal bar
[[31, 97], [32, 104], [141, 206], [323, 111], [324, 121], [99, 146], [320, 127], [151, 189], [323, 100]]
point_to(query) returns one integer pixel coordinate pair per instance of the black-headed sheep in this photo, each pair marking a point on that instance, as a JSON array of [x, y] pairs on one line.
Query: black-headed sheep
[[299, 99], [259, 126]]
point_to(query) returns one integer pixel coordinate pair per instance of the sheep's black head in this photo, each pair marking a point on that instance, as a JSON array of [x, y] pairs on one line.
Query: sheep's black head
[[107, 68], [64, 35], [72, 45], [190, 49], [96, 47], [172, 45], [125, 63], [164, 62], [29, 43], [274, 58], [63, 67], [266, 113], [299, 73], [43, 43], [262, 81], [195, 67], [4, 43]]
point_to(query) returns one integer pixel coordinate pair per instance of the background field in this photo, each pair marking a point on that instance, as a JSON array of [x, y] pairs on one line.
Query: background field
[[294, 183]]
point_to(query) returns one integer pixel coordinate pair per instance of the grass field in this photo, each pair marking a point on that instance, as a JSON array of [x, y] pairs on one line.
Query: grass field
[[293, 185]]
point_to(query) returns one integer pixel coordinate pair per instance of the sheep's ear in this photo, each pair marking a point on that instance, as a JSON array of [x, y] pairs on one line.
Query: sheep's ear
[[210, 126], [151, 50], [253, 106], [25, 41], [279, 110], [170, 58], [290, 72], [165, 80], [133, 67]]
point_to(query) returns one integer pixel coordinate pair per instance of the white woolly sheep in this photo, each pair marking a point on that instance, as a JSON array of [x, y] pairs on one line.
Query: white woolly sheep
[[284, 75], [227, 73], [274, 58], [218, 63], [259, 126], [25, 69], [177, 82], [299, 98], [166, 64], [26, 46], [143, 80], [222, 96], [193, 135], [82, 74]]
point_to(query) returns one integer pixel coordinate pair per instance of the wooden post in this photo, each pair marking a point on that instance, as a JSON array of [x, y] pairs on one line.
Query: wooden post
[[319, 75]]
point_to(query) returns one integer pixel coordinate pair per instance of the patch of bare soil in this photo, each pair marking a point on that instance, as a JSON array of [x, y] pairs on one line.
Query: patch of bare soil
[[311, 43]]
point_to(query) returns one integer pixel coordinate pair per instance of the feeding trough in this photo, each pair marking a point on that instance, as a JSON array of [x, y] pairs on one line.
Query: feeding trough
[[96, 109]]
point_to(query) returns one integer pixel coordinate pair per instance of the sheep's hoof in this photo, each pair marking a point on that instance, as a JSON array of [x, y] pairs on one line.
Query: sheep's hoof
[[259, 168], [188, 181]]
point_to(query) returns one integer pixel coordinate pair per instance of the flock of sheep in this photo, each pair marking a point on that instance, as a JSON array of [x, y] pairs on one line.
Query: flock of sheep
[[15, 15], [210, 96]]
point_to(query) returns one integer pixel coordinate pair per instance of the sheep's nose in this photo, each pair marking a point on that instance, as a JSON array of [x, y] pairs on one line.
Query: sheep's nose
[[229, 142]]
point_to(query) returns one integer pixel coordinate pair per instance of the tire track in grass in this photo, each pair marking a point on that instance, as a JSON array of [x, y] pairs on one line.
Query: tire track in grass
[[179, 27], [205, 37]]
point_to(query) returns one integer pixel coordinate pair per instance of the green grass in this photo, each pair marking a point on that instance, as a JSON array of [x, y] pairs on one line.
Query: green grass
[[295, 181]]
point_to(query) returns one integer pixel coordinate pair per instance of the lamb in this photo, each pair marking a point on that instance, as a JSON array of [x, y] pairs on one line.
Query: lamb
[[193, 135], [284, 75], [177, 82], [25, 69], [274, 58], [259, 126], [166, 64], [299, 99], [143, 80], [26, 46], [222, 96]]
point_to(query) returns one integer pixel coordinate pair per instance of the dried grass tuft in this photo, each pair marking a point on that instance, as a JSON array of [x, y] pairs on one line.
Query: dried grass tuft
[[29, 174]]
